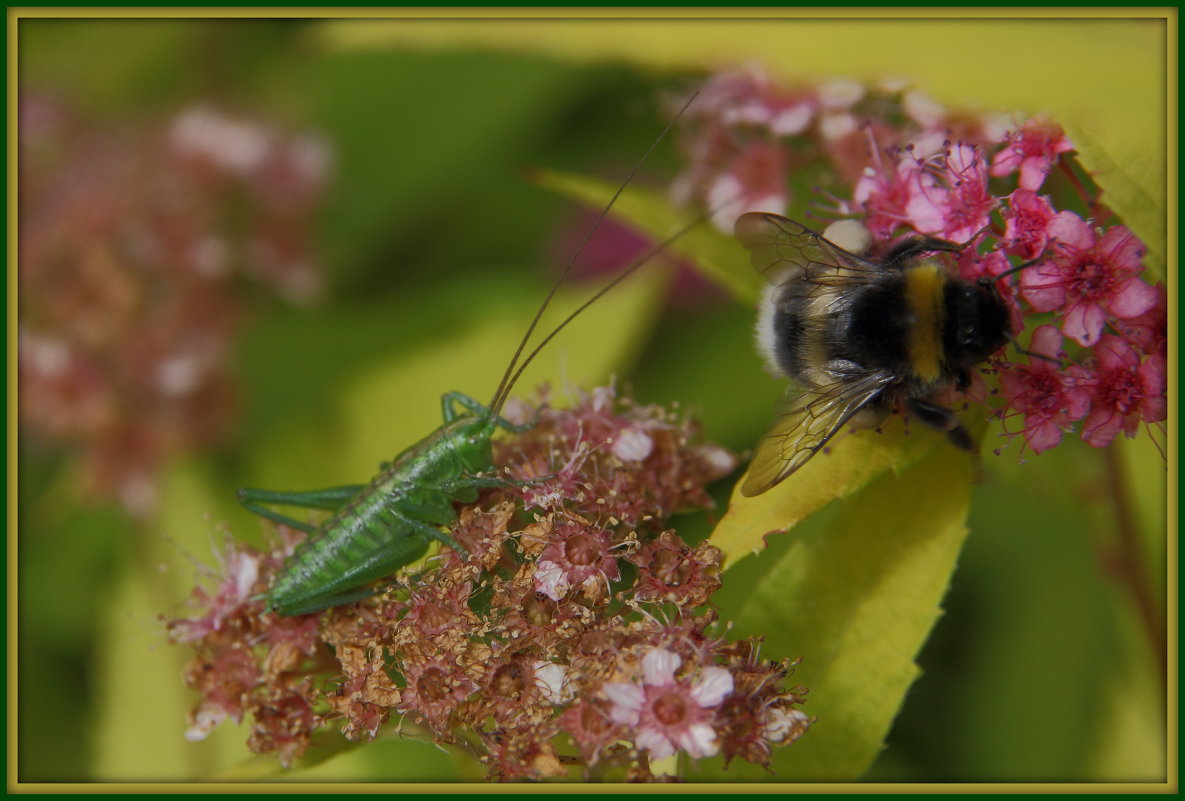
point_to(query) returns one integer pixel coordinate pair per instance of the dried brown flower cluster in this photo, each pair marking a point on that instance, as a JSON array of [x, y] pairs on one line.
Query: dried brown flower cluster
[[574, 635], [131, 240]]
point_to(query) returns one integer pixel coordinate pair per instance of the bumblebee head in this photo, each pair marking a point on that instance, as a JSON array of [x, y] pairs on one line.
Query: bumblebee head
[[976, 323]]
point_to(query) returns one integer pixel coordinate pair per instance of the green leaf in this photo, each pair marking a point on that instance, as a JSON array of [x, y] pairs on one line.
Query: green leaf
[[855, 597], [1133, 184], [719, 257], [409, 148], [849, 464]]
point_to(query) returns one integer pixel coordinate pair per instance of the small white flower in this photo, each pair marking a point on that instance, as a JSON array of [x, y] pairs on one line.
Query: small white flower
[[602, 398], [836, 126], [922, 108], [550, 579], [782, 724], [840, 94], [205, 720], [659, 666], [699, 740], [632, 445], [669, 715], [552, 681], [627, 701], [752, 113], [791, 121], [730, 200], [656, 743], [245, 568], [712, 687], [234, 145]]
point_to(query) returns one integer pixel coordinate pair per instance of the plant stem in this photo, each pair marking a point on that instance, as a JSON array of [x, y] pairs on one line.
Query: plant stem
[[1128, 563]]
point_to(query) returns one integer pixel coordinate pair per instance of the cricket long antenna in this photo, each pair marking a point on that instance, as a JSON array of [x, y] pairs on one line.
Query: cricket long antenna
[[507, 382], [496, 406]]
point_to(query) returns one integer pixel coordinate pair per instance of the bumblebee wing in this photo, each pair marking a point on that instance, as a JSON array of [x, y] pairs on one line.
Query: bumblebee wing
[[782, 250], [812, 419]]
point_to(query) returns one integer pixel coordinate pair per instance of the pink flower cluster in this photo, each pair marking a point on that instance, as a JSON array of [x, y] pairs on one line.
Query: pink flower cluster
[[574, 633], [903, 165], [130, 242]]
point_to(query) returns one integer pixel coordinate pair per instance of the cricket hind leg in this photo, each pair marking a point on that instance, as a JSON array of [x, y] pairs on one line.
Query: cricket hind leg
[[328, 499], [326, 601]]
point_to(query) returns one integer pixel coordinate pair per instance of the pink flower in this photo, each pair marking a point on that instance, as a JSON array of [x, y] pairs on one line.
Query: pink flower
[[668, 714], [1124, 392], [670, 570], [588, 723], [574, 556], [434, 689], [883, 193], [235, 593], [1027, 221], [1045, 394], [1148, 331], [1033, 150], [955, 203], [436, 609], [1088, 278]]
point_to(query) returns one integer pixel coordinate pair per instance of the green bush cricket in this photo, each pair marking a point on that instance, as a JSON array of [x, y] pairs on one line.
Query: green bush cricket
[[375, 529]]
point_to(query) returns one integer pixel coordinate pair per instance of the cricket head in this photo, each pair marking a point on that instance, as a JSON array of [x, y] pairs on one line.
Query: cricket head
[[471, 438]]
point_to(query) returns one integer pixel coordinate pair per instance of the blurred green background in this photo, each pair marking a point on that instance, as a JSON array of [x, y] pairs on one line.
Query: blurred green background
[[437, 247]]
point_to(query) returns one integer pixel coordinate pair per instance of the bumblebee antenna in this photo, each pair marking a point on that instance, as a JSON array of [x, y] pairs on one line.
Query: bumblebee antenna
[[507, 382], [1017, 268], [1032, 354]]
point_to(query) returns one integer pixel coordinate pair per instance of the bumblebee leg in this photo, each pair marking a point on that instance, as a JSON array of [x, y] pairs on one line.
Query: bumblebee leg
[[943, 419]]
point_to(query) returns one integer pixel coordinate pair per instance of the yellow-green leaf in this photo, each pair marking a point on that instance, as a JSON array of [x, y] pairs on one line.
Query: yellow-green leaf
[[851, 462], [720, 258], [856, 600]]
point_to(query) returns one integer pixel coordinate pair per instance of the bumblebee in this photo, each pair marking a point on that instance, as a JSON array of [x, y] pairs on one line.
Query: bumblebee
[[861, 337]]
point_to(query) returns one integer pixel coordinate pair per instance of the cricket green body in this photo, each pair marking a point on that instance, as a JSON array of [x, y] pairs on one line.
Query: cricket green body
[[388, 523]]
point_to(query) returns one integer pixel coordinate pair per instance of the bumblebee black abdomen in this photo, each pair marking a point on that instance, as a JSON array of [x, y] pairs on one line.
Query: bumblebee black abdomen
[[894, 324], [876, 330]]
